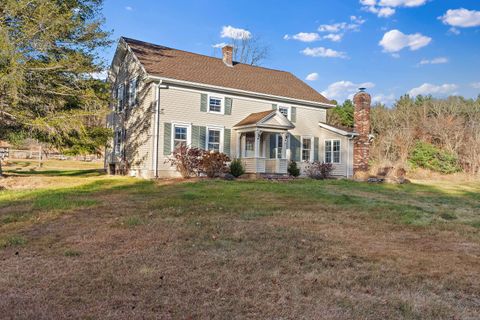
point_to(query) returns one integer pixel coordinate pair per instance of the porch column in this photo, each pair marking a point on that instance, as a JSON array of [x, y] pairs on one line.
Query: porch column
[[239, 145], [258, 134], [284, 145]]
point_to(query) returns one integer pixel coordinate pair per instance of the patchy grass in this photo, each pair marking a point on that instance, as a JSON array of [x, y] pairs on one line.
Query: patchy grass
[[243, 249]]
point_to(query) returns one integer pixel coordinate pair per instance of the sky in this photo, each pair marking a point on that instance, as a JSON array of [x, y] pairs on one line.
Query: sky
[[391, 47]]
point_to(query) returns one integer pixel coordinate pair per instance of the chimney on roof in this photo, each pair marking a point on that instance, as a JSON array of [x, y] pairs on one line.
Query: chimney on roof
[[227, 52], [361, 115]]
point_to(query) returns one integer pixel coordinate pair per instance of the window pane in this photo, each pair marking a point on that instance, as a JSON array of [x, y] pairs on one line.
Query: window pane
[[283, 111], [328, 157], [336, 145], [249, 142], [307, 143], [306, 147], [336, 157], [213, 140], [305, 155], [181, 133], [215, 104], [178, 143]]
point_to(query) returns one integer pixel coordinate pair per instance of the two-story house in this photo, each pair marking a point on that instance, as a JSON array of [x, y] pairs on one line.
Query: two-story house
[[165, 98]]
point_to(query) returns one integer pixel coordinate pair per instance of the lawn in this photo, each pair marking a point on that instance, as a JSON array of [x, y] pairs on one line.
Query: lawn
[[75, 243]]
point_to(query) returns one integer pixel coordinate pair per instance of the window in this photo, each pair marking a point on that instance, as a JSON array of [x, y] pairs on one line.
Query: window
[[213, 140], [249, 144], [132, 92], [306, 149], [215, 105], [332, 151], [180, 137], [285, 111], [279, 146], [120, 97], [118, 141]]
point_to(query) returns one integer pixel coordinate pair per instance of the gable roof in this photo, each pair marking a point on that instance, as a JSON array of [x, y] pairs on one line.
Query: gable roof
[[270, 118], [345, 131], [176, 64]]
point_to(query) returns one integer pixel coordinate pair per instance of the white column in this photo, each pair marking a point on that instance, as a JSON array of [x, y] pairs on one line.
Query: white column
[[239, 145], [257, 143], [284, 145]]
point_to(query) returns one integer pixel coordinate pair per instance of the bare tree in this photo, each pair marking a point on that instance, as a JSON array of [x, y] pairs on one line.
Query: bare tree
[[249, 49]]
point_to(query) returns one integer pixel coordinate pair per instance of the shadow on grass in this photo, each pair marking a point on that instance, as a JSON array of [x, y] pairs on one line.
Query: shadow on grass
[[21, 205], [59, 173]]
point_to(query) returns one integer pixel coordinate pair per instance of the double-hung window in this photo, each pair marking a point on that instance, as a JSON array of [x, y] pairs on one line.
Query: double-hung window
[[214, 139], [306, 149], [132, 92], [332, 151], [180, 136], [215, 104], [118, 141], [279, 146], [120, 97], [285, 111]]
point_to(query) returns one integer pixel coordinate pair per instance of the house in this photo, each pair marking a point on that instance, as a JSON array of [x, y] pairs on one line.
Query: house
[[166, 97]]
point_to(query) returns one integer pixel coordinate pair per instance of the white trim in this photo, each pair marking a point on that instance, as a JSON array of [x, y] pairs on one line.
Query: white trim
[[181, 124], [337, 130], [312, 147], [331, 150], [217, 128], [222, 103], [207, 86]]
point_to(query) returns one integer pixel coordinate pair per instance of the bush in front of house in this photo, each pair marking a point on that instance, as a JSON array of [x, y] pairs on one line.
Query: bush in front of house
[[428, 156], [237, 168], [213, 163], [187, 160], [293, 169], [319, 170]]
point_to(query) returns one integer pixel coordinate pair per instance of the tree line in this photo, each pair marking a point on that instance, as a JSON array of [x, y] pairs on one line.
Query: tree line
[[441, 135]]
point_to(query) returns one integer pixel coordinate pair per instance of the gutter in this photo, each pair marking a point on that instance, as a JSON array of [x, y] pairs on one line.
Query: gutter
[[156, 129], [244, 92]]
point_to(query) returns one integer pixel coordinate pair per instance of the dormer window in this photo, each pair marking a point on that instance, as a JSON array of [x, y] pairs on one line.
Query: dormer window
[[215, 104]]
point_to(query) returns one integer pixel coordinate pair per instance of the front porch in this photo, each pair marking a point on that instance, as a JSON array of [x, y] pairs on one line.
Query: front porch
[[262, 142]]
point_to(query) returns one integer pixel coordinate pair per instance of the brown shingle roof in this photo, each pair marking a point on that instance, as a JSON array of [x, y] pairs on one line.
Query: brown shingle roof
[[254, 118], [182, 65]]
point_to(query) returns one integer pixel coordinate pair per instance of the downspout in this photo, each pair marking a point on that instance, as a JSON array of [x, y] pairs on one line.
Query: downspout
[[350, 138], [156, 129]]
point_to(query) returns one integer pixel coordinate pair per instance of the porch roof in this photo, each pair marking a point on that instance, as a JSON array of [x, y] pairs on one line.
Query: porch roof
[[266, 119]]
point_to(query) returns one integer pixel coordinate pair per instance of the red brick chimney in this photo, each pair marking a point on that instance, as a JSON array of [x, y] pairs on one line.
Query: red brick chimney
[[361, 144], [227, 52]]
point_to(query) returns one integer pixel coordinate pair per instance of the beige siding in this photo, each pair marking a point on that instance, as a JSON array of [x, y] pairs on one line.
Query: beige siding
[[346, 152], [183, 105], [137, 119]]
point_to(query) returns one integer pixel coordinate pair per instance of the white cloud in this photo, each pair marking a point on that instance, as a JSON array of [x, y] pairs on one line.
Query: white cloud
[[385, 8], [462, 18], [323, 52], [102, 75], [342, 90], [312, 77], [439, 60], [219, 45], [235, 33], [394, 41], [384, 99], [304, 37], [128, 8], [476, 85], [454, 31], [334, 37], [431, 89]]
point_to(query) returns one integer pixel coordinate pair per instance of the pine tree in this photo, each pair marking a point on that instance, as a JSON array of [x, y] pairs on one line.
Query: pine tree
[[48, 56]]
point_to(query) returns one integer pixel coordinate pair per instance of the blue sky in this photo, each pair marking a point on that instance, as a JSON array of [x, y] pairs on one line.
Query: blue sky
[[390, 46]]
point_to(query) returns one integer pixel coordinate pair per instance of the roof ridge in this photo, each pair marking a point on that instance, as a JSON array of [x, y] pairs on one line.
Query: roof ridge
[[203, 55]]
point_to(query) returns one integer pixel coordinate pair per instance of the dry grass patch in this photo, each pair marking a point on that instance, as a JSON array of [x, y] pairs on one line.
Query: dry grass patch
[[244, 249]]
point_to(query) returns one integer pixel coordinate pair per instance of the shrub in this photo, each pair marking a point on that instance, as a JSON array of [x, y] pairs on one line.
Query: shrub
[[236, 168], [293, 169], [214, 163], [319, 170], [186, 160], [428, 156]]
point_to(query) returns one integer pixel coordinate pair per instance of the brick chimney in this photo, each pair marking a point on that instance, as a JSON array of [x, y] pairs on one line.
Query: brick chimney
[[361, 144], [227, 52]]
